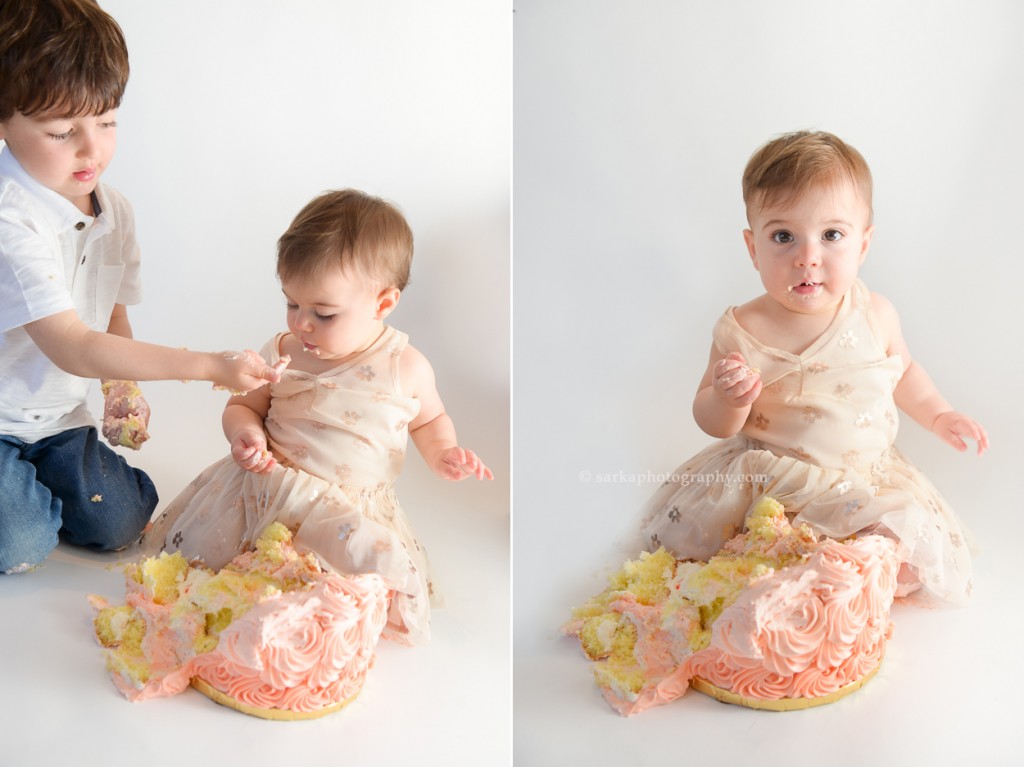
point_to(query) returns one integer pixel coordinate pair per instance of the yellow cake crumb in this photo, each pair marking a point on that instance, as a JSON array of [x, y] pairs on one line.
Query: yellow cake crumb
[[162, 576]]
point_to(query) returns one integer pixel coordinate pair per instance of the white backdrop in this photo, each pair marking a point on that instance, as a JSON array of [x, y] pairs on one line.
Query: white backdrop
[[632, 126], [237, 113]]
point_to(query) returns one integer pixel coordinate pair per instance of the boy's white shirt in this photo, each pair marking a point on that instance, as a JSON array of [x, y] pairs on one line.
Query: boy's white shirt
[[48, 266]]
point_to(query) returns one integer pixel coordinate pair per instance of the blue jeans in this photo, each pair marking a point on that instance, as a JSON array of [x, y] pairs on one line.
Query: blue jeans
[[69, 484]]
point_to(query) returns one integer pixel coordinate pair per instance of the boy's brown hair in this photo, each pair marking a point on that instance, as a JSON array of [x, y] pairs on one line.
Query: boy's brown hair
[[60, 58], [786, 167], [349, 229]]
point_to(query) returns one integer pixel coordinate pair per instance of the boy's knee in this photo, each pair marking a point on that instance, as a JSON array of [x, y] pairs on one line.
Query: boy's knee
[[110, 528], [25, 550]]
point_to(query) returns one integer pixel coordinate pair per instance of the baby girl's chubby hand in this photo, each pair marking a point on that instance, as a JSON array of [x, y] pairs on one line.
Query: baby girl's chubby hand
[[249, 451], [953, 427], [241, 372], [734, 381], [457, 463]]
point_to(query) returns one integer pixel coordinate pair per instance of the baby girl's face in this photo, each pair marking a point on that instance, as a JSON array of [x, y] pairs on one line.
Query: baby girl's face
[[809, 251], [336, 315]]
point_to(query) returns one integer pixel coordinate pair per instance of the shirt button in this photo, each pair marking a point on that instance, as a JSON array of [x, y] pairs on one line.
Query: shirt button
[[80, 225]]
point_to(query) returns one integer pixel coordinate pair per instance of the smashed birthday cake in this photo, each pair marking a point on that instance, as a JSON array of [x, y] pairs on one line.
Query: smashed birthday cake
[[272, 634], [126, 414], [776, 620]]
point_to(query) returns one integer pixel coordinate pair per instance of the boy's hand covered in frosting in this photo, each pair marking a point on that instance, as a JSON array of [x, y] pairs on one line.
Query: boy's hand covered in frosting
[[457, 463], [734, 381], [125, 414], [952, 427], [241, 372]]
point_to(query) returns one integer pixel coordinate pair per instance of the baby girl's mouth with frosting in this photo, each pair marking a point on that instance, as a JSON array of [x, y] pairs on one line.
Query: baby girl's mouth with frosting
[[806, 288], [308, 347]]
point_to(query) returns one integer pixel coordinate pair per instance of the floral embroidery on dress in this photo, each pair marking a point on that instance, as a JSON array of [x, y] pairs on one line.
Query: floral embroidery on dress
[[401, 425], [343, 472], [761, 421], [365, 373], [800, 454], [817, 367], [812, 414], [318, 425], [350, 417], [843, 390], [848, 340], [851, 457], [890, 417], [852, 506], [864, 420]]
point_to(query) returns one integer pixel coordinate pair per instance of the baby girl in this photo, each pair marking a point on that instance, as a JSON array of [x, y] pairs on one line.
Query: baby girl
[[321, 450], [805, 382]]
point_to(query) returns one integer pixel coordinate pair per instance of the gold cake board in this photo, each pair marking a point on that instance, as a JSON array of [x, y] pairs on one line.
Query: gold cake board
[[278, 714], [779, 704]]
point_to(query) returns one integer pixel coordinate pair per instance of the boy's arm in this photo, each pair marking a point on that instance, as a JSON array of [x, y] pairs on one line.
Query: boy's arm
[[77, 349], [916, 394], [119, 324], [432, 430]]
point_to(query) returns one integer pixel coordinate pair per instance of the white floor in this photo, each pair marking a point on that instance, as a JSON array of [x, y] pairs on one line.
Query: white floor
[[947, 692], [450, 698]]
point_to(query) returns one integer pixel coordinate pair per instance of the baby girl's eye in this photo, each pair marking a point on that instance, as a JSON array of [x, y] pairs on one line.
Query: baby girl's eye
[[61, 136], [324, 317], [832, 235], [782, 237]]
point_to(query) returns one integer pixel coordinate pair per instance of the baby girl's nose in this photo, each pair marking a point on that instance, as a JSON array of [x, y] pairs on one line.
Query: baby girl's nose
[[808, 255]]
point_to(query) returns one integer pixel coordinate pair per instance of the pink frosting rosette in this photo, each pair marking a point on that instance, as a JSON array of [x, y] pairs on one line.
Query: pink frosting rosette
[[301, 651], [808, 630]]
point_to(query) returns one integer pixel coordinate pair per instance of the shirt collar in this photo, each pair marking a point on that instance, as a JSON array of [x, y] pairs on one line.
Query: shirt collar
[[59, 211]]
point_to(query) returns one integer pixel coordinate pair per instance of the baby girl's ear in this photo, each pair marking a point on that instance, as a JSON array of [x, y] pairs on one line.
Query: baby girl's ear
[[748, 239], [387, 300]]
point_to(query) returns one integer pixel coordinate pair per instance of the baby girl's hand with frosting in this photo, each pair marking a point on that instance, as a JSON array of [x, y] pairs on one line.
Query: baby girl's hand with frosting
[[125, 414], [241, 372], [734, 381], [952, 427], [457, 463], [249, 451]]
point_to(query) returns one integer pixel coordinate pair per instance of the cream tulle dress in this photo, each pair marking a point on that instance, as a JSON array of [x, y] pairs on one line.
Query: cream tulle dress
[[819, 439], [340, 439]]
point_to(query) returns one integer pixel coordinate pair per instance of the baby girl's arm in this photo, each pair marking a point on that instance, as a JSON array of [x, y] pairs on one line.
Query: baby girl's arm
[[916, 394], [76, 348], [432, 431], [726, 392], [243, 426]]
